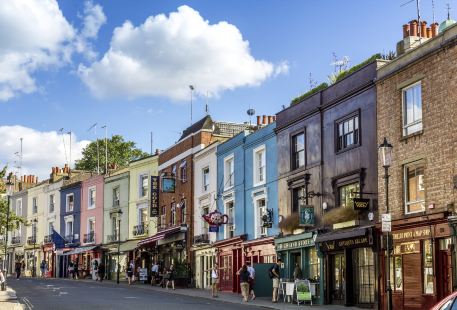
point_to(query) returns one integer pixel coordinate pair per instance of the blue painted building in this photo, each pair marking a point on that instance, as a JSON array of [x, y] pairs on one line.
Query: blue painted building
[[70, 213], [247, 194]]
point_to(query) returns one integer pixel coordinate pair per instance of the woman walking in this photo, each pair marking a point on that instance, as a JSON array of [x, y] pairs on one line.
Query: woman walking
[[171, 277], [244, 278], [129, 273]]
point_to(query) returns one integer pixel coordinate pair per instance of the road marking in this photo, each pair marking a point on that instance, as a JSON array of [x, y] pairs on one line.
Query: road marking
[[27, 303], [131, 297], [63, 293]]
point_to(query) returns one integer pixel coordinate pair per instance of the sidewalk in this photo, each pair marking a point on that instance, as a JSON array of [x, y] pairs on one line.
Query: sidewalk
[[264, 302], [8, 295]]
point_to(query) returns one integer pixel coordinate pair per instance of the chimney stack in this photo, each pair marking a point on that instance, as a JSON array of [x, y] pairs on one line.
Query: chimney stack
[[258, 120], [264, 121], [429, 32], [270, 119]]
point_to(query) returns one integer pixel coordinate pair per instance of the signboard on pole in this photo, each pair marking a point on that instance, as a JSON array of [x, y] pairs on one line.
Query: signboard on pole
[[386, 220], [306, 216], [154, 196]]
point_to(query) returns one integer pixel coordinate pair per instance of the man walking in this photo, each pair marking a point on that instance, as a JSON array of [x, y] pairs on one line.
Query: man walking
[[154, 273], [101, 271], [275, 276], [214, 281], [251, 280]]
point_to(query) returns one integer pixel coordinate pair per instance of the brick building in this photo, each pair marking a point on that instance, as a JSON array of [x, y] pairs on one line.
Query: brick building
[[174, 217], [417, 109]]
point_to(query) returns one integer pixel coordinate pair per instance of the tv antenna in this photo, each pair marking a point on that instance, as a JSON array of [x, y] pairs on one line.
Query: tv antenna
[[312, 82], [340, 64]]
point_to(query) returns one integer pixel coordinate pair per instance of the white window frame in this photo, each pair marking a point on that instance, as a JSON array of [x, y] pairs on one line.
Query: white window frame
[[49, 227], [205, 225], [257, 220], [67, 196], [405, 187], [256, 173], [19, 206], [405, 126], [229, 172], [230, 226], [89, 219], [72, 228], [89, 191], [34, 205], [139, 209], [140, 185], [51, 202], [118, 189], [205, 187]]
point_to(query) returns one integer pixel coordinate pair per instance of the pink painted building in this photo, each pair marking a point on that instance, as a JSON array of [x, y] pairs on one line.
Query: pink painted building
[[91, 233]]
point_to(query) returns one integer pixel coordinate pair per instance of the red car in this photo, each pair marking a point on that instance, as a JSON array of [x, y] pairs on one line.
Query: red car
[[448, 303]]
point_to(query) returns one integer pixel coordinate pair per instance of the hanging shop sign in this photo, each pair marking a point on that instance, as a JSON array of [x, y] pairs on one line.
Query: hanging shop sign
[[154, 196], [213, 228], [407, 248], [356, 242], [168, 184], [306, 216], [216, 218], [361, 204]]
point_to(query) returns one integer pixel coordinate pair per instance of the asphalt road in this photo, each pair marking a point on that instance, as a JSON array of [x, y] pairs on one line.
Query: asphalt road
[[55, 294]]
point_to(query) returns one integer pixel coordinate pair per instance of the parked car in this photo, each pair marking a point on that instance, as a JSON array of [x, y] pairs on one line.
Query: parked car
[[448, 303]]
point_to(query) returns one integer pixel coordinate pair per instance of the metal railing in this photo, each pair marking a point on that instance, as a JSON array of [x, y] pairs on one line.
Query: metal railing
[[89, 238], [47, 239], [69, 238], [31, 240], [15, 239], [112, 238], [139, 230]]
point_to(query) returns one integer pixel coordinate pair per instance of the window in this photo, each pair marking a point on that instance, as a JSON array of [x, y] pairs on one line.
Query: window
[[34, 205], [412, 109], [116, 197], [205, 228], [51, 203], [427, 263], [163, 217], [70, 202], [364, 265], [91, 226], [205, 173], [314, 264], [69, 229], [261, 209], [34, 231], [19, 207], [298, 151], [173, 170], [347, 193], [115, 227], [92, 197], [183, 171], [173, 214], [259, 166], [297, 201], [142, 216], [229, 173], [348, 133], [50, 228], [144, 185], [230, 227], [414, 188], [183, 215]]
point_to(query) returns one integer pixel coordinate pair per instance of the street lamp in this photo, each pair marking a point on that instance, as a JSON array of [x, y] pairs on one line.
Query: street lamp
[[34, 233], [9, 191], [119, 213], [385, 153]]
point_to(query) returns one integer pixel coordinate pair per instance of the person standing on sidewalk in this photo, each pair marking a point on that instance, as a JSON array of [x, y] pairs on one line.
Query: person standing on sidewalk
[[171, 277], [101, 271], [214, 281], [251, 281], [244, 278], [18, 268], [275, 276], [129, 273], [154, 273]]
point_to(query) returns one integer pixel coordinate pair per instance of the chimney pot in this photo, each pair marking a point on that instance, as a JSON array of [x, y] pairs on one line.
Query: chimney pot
[[405, 30], [429, 32], [36, 179], [264, 121], [258, 120], [270, 119], [274, 118], [413, 28], [157, 151], [434, 30], [423, 29]]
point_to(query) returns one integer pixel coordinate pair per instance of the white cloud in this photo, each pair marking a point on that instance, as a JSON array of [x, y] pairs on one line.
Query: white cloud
[[162, 56], [41, 150], [35, 36]]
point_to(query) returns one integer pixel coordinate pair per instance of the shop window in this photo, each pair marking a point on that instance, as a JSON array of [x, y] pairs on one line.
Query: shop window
[[412, 109], [414, 187], [427, 262], [298, 150], [314, 265], [365, 270], [297, 201], [396, 273], [348, 133], [347, 193]]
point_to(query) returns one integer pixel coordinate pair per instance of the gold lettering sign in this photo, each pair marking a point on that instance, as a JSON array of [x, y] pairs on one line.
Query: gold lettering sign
[[407, 248], [346, 243], [412, 234], [294, 244]]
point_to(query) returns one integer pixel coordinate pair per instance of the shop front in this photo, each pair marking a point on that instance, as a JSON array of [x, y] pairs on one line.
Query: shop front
[[50, 258], [230, 260], [114, 257], [300, 250], [259, 251], [205, 257], [349, 258], [421, 270]]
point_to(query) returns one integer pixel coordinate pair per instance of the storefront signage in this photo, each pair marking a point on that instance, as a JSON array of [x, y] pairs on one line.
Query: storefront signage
[[143, 273], [154, 196], [386, 221], [407, 248], [363, 241], [306, 216], [168, 184], [294, 244], [420, 233], [361, 204]]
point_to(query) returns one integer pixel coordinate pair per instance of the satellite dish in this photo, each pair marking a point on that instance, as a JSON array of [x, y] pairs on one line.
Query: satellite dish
[[251, 112]]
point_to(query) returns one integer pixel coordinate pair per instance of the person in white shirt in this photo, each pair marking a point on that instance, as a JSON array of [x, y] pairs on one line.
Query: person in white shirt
[[154, 273], [214, 280], [251, 281]]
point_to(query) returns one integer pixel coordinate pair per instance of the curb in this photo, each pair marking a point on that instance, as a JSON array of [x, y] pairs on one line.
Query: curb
[[8, 295]]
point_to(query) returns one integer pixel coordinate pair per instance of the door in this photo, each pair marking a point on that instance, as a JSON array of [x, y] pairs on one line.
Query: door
[[226, 273], [444, 273], [202, 272], [295, 258], [338, 278]]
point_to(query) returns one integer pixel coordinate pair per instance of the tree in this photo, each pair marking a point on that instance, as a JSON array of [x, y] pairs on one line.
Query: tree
[[13, 221], [120, 152]]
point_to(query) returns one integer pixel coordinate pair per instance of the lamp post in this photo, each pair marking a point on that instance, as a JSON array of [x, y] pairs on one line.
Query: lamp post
[[9, 192], [119, 213], [34, 233], [385, 153]]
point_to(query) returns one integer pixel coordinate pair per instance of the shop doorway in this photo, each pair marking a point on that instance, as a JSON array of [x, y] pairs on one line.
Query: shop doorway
[[226, 280], [295, 258], [338, 278], [444, 274]]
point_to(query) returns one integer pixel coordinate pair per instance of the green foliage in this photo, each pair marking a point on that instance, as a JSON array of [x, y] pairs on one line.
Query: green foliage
[[341, 75], [120, 152], [339, 215], [13, 221], [290, 223], [316, 89]]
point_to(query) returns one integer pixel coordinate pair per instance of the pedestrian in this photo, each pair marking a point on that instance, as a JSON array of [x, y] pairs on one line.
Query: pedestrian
[[154, 272], [76, 270], [244, 278], [251, 281], [43, 268], [274, 274], [297, 272], [129, 273], [18, 268], [214, 281], [2, 278], [70, 269], [101, 271], [171, 277]]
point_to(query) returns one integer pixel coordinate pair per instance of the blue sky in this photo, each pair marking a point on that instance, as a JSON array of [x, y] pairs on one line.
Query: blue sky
[[288, 40]]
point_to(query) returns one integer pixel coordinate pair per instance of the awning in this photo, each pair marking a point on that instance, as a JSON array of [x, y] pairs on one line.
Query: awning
[[337, 235], [125, 246], [339, 240], [80, 250], [160, 235]]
